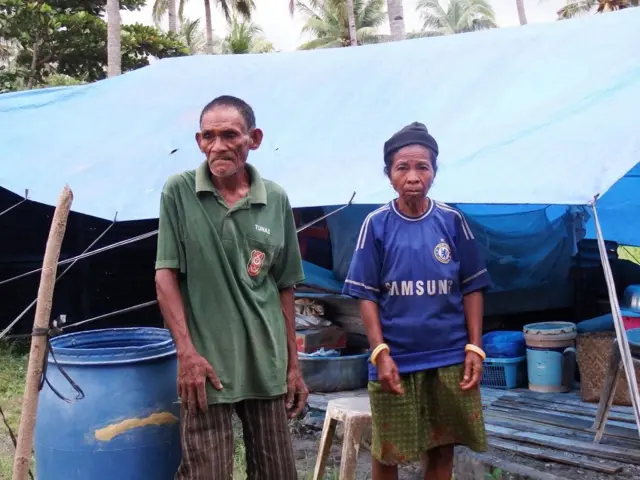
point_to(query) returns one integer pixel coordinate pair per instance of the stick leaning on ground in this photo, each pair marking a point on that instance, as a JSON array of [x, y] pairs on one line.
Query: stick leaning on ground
[[22, 458]]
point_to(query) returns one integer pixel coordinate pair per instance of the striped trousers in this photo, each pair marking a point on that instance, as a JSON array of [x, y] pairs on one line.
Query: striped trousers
[[208, 442]]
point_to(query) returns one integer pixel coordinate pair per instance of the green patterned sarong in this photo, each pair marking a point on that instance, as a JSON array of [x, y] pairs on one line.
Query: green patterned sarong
[[433, 412]]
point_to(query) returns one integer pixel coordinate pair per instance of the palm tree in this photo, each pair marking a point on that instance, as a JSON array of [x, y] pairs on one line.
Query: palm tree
[[168, 7], [395, 12], [327, 21], [244, 37], [114, 55], [192, 36], [229, 8], [461, 16], [522, 14], [580, 7]]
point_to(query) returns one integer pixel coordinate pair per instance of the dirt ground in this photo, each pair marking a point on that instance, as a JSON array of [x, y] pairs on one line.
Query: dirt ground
[[306, 443], [307, 438]]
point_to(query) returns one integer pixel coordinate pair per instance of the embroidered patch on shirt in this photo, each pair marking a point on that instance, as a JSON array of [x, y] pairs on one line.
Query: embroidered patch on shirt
[[255, 263]]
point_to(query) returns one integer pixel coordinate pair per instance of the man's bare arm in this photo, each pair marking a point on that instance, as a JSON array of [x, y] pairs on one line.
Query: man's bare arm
[[297, 391], [172, 308], [287, 299], [193, 369]]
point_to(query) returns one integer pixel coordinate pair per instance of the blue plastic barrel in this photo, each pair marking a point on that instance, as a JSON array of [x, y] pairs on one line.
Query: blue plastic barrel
[[127, 425]]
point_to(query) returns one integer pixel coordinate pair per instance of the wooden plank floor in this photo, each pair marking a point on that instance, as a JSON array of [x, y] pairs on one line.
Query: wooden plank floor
[[550, 428]]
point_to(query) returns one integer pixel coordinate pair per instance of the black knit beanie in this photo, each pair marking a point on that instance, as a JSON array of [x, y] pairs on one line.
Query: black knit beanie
[[415, 133]]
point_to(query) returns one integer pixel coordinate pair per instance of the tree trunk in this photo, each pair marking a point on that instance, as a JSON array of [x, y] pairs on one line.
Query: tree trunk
[[351, 17], [114, 53], [34, 63], [173, 21], [208, 27], [522, 15], [395, 11]]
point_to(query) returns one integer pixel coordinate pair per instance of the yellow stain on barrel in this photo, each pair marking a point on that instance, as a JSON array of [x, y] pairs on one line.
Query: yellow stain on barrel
[[109, 432]]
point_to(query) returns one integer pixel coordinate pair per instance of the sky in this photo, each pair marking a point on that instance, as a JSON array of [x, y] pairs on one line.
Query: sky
[[285, 32]]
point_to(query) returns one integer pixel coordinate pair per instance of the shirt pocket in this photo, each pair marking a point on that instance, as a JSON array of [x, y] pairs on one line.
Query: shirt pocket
[[259, 259]]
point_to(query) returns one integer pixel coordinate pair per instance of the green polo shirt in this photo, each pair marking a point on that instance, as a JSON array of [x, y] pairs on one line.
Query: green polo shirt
[[232, 262]]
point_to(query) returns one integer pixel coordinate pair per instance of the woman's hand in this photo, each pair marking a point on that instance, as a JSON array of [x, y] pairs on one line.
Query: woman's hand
[[472, 371], [388, 375]]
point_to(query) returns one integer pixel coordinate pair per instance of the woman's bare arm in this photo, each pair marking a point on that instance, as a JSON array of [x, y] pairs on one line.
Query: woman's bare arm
[[473, 305]]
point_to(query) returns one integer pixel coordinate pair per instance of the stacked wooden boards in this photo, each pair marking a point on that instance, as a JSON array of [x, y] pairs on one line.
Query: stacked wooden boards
[[558, 428], [553, 430]]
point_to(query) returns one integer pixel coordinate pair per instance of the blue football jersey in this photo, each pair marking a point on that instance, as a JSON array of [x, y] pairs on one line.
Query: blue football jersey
[[417, 270]]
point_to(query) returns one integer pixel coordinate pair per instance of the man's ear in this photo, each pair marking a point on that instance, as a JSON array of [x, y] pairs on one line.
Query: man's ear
[[198, 139], [256, 138]]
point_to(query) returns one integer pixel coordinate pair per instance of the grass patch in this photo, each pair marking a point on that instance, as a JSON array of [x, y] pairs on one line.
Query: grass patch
[[13, 369]]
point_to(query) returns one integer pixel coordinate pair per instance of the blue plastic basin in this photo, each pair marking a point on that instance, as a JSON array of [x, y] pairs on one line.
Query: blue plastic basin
[[333, 374], [127, 425]]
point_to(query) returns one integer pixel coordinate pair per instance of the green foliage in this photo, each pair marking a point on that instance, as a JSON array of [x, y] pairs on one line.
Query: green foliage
[[69, 37], [328, 24], [244, 37], [581, 7], [192, 35], [496, 474], [460, 16]]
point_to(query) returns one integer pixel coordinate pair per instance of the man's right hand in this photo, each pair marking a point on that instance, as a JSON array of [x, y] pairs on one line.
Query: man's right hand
[[388, 375], [193, 372]]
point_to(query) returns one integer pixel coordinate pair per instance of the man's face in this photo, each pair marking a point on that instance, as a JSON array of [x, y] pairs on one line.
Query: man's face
[[225, 140]]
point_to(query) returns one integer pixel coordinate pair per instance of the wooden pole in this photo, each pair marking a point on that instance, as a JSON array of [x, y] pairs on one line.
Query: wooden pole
[[22, 459]]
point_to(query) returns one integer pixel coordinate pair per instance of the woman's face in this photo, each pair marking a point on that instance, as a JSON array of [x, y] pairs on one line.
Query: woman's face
[[412, 172]]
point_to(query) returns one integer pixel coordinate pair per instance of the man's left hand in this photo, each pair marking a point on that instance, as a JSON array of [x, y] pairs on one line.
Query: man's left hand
[[297, 393], [472, 371]]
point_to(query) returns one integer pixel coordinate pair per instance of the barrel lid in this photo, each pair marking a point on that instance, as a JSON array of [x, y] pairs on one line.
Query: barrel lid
[[550, 328], [112, 346]]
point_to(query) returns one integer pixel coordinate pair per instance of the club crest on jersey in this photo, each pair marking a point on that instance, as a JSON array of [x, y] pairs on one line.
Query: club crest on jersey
[[255, 263], [442, 252]]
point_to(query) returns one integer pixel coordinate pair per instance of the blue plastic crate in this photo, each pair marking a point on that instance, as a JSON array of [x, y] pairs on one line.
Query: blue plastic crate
[[504, 373]]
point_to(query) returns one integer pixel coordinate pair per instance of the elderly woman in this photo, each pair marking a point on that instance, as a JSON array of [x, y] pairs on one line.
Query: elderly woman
[[420, 281]]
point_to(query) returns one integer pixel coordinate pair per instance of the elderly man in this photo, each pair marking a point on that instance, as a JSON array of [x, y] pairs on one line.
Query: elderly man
[[227, 262]]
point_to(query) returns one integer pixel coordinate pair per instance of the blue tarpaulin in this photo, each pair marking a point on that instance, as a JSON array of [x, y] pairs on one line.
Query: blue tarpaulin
[[541, 114]]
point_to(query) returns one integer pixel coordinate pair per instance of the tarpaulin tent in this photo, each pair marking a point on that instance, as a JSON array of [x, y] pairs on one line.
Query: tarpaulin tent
[[542, 114]]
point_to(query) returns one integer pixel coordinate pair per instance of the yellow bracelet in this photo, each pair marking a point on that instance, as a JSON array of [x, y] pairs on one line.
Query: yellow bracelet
[[475, 349], [376, 352]]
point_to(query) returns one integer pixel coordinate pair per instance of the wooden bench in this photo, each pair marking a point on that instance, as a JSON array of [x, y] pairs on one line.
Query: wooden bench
[[355, 413]]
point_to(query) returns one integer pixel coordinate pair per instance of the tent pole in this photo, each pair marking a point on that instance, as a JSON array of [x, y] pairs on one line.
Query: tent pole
[[39, 340], [621, 334]]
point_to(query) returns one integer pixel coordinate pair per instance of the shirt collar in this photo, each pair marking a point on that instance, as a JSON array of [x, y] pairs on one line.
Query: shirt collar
[[257, 191]]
